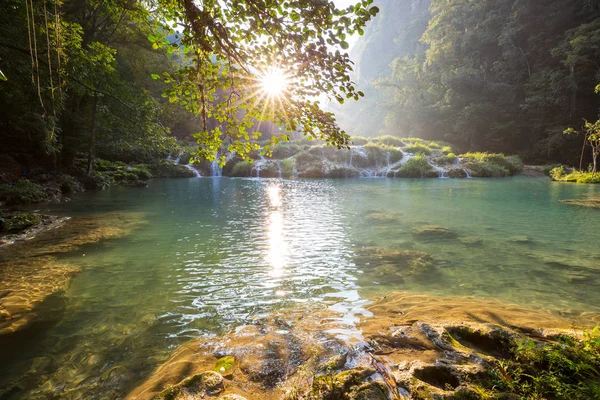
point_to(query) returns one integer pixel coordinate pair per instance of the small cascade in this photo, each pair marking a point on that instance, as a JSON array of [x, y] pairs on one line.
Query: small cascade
[[279, 169], [169, 158], [466, 171], [194, 170], [178, 159], [259, 165], [215, 169]]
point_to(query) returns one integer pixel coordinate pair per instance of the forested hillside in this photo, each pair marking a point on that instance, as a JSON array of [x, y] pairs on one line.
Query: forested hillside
[[77, 81], [508, 75]]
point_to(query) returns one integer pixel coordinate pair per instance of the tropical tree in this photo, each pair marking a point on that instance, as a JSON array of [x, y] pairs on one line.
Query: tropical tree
[[255, 60]]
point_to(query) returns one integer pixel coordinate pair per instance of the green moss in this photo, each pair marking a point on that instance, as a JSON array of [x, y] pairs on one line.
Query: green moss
[[242, 169], [561, 175], [416, 167], [359, 140], [225, 365], [418, 148], [446, 159], [565, 369], [285, 149], [389, 140], [22, 192], [287, 167], [490, 165], [169, 170], [17, 222]]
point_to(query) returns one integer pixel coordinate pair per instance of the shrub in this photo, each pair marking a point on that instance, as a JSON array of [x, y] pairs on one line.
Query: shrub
[[389, 140], [447, 149], [359, 140], [446, 159], [560, 174], [418, 148], [416, 167], [68, 184], [169, 170], [285, 150], [141, 171], [22, 192], [487, 165], [242, 169], [567, 368]]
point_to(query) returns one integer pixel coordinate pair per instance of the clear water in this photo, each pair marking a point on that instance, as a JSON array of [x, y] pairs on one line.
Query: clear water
[[219, 252]]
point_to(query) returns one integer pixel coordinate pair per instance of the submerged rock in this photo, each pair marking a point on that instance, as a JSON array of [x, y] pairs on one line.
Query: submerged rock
[[399, 263], [588, 202], [382, 217], [433, 232], [195, 387]]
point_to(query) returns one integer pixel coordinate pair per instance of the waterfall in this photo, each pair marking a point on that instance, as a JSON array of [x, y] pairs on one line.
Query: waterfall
[[259, 165], [279, 169], [194, 170], [178, 159], [215, 169]]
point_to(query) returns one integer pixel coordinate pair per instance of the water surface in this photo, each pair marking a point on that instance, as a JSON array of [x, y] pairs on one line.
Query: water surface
[[217, 253]]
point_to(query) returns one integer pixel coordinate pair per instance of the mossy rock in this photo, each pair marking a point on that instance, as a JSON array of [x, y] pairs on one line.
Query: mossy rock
[[225, 365], [433, 232], [457, 173], [400, 262], [18, 222], [352, 377], [375, 390], [334, 363], [197, 386]]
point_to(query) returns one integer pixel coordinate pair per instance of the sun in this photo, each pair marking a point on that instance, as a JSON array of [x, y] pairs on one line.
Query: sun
[[273, 82]]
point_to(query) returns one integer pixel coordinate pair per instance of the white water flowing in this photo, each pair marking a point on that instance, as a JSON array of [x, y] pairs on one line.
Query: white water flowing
[[194, 170]]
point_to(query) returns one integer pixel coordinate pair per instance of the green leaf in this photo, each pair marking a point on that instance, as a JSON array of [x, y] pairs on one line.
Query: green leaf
[[344, 45], [155, 76], [152, 38], [373, 11]]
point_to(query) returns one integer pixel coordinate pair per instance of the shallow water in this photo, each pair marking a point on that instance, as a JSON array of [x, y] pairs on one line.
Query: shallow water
[[220, 252]]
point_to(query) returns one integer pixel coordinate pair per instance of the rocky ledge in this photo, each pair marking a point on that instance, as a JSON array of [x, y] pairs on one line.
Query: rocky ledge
[[416, 347]]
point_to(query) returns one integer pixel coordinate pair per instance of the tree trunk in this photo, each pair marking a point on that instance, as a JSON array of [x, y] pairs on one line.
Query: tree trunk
[[594, 159], [92, 137]]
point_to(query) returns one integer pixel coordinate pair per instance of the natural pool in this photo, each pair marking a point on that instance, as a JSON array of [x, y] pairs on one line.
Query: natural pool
[[215, 253]]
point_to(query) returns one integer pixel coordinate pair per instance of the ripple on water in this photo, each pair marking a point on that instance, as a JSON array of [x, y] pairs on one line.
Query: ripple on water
[[219, 253]]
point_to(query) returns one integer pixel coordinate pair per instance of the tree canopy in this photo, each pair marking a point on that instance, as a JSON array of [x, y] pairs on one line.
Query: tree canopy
[[77, 75]]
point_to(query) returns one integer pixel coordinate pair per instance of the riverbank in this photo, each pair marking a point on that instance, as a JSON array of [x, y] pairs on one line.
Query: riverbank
[[415, 346]]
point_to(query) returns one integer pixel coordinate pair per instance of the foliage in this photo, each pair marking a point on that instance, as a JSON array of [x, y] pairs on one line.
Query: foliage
[[502, 76], [446, 159], [489, 165], [228, 45], [242, 169], [591, 134], [17, 222], [416, 167], [359, 140], [22, 192], [418, 148], [560, 174], [68, 184], [389, 140], [169, 170], [565, 369]]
